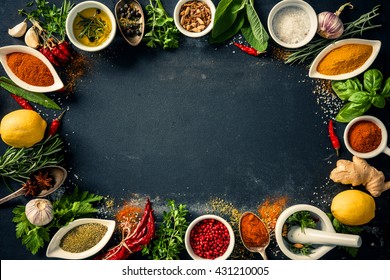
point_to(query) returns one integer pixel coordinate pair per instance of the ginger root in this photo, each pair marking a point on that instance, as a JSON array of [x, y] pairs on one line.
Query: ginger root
[[359, 172]]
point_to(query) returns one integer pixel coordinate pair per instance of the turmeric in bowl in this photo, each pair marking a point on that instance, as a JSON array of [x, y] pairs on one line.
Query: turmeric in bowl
[[344, 59]]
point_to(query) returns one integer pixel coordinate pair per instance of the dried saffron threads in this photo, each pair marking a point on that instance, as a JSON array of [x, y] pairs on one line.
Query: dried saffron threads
[[83, 237], [270, 210], [364, 136], [253, 231], [30, 69]]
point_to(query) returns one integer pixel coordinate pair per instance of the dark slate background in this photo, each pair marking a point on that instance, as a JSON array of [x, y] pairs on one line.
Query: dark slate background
[[198, 122]]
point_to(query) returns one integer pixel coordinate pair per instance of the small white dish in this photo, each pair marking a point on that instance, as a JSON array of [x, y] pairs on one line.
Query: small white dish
[[176, 17], [55, 251], [313, 73], [324, 224], [296, 5], [199, 219], [4, 51], [382, 148], [73, 15]]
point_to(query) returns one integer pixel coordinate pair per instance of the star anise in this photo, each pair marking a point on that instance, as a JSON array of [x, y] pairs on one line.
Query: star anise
[[43, 180], [30, 188]]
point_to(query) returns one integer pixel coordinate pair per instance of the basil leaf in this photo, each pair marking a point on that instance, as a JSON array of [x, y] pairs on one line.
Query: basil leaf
[[372, 80], [344, 89], [352, 110], [378, 101], [35, 97], [225, 17], [386, 89], [359, 97], [231, 31], [258, 37]]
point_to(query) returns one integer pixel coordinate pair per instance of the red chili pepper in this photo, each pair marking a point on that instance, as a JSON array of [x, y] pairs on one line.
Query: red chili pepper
[[65, 48], [55, 124], [333, 137], [46, 52], [22, 102], [247, 49], [133, 241], [59, 55]]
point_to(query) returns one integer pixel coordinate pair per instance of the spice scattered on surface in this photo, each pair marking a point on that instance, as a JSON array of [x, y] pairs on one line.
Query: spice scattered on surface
[[75, 70], [364, 136], [270, 210], [30, 69], [83, 237], [128, 216], [344, 59], [291, 25]]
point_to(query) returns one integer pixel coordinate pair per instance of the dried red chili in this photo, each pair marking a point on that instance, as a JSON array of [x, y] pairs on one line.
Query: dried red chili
[[55, 124], [247, 49], [333, 137], [22, 102]]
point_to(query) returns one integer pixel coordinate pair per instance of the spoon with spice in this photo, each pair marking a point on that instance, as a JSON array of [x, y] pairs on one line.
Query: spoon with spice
[[42, 183], [254, 233]]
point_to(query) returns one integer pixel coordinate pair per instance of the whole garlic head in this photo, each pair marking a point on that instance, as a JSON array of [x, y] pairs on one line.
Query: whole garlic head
[[39, 211]]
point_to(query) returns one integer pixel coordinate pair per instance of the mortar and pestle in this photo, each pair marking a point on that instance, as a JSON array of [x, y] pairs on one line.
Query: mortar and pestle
[[324, 238]]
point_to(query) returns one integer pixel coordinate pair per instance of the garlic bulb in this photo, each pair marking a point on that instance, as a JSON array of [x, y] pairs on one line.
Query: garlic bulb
[[39, 211], [32, 39], [330, 25], [18, 30]]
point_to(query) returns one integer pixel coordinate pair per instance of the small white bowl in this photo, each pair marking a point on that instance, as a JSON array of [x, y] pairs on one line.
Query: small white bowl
[[324, 224], [199, 219], [72, 16], [313, 73], [55, 251], [176, 17], [296, 4], [57, 85], [382, 148]]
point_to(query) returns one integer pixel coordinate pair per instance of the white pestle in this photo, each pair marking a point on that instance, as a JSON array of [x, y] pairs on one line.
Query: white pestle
[[315, 236]]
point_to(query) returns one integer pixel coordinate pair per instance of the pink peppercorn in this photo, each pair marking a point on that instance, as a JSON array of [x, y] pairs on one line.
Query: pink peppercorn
[[209, 239]]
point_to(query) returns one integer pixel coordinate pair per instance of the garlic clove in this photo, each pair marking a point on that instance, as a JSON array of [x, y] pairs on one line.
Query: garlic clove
[[18, 30], [32, 39], [39, 212]]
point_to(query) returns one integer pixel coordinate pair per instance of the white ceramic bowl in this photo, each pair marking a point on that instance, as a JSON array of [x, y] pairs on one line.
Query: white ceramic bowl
[[201, 218], [55, 251], [382, 148], [24, 49], [313, 73], [324, 224], [72, 16], [293, 4], [176, 17]]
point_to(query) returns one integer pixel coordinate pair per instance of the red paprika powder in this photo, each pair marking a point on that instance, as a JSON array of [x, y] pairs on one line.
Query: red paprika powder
[[30, 69], [253, 231], [364, 136]]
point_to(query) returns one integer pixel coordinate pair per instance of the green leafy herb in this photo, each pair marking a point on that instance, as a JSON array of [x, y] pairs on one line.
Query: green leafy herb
[[35, 97], [301, 249], [351, 29], [163, 31], [18, 163], [50, 17], [170, 234], [233, 16], [341, 228], [303, 219], [93, 27], [360, 96], [68, 208]]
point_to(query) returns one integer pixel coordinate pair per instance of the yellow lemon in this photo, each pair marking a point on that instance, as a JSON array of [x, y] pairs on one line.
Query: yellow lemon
[[353, 207], [22, 128]]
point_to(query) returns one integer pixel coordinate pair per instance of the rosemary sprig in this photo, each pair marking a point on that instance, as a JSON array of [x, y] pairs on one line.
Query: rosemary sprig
[[93, 27], [351, 29], [18, 163]]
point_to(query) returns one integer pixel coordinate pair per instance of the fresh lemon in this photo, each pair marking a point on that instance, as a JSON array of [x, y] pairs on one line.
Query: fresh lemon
[[353, 207], [22, 128]]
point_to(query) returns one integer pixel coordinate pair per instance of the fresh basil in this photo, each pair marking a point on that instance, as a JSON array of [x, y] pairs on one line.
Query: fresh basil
[[233, 16], [361, 97]]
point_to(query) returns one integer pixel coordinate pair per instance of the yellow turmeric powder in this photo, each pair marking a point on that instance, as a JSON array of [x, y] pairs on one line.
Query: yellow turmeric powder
[[344, 59]]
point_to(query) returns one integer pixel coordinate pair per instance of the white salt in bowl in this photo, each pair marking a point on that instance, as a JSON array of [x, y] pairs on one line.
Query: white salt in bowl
[[292, 23]]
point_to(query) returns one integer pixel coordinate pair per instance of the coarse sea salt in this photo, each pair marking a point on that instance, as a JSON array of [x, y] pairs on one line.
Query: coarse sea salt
[[291, 24]]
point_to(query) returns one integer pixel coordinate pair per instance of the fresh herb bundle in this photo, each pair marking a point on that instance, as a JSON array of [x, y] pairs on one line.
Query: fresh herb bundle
[[78, 204], [50, 17], [360, 96], [163, 31], [303, 219], [19, 163], [233, 16], [351, 29], [170, 234]]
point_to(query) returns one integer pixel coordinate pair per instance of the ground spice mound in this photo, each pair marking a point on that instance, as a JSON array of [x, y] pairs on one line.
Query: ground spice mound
[[364, 136]]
